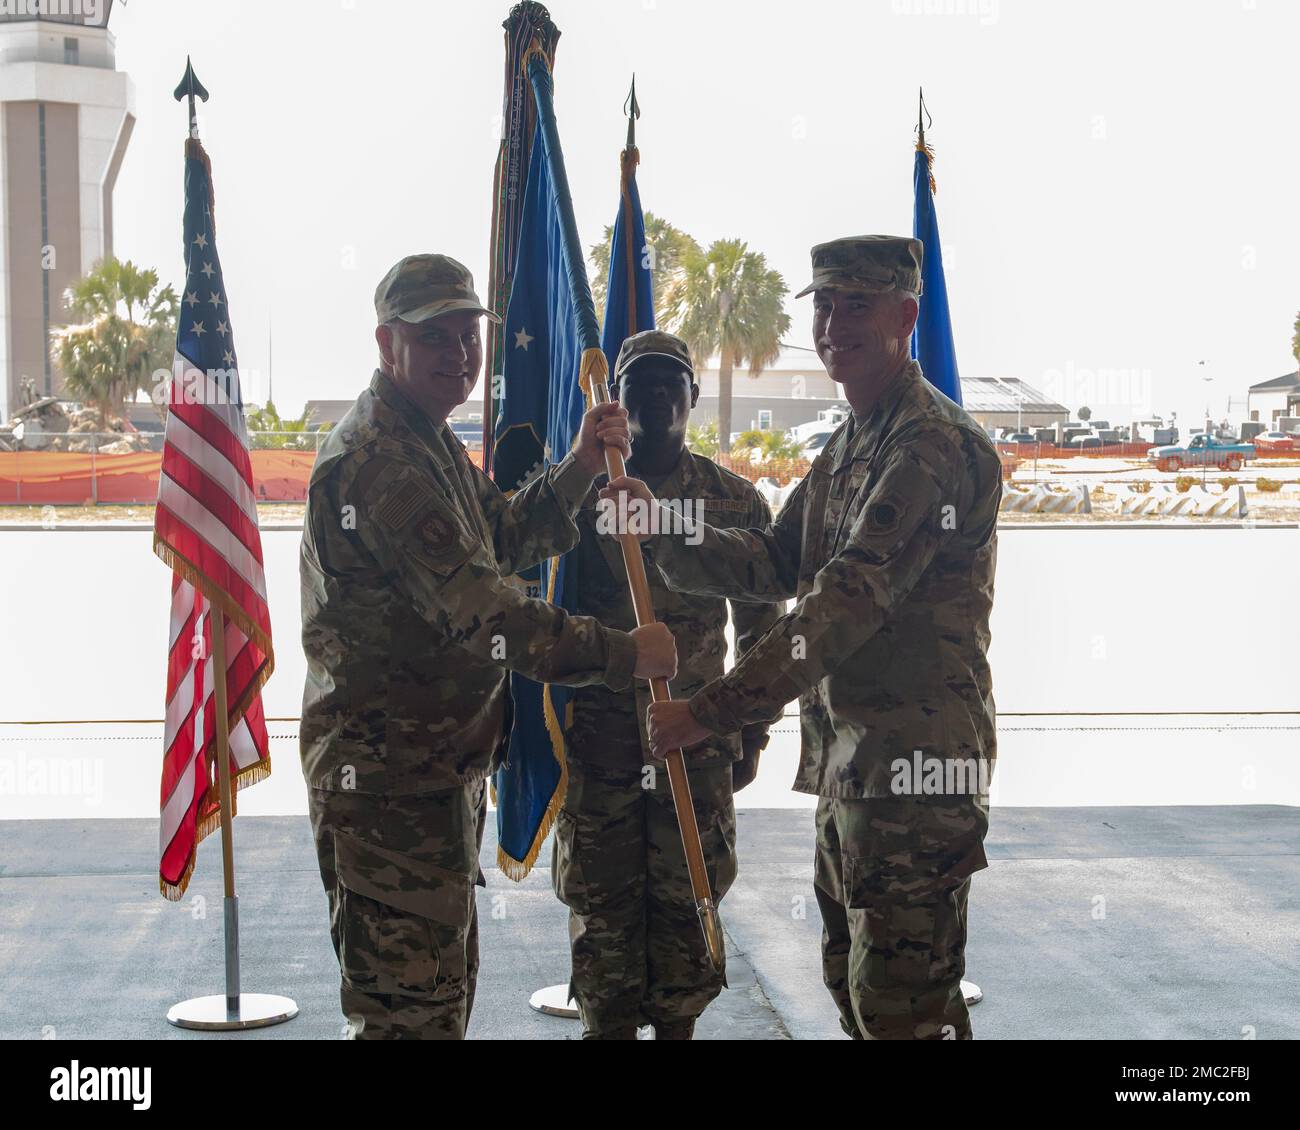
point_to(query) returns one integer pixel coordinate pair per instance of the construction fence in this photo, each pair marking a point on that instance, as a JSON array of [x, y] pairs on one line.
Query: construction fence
[[99, 470]]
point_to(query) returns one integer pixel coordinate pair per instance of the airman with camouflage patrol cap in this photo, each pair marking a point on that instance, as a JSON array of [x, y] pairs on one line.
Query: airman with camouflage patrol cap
[[421, 287], [409, 628], [637, 951], [888, 546], [876, 264]]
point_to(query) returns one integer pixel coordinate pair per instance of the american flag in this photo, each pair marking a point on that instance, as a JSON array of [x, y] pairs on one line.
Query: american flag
[[205, 528]]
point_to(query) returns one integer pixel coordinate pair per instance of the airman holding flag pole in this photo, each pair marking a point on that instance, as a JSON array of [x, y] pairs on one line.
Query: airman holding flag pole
[[410, 628], [637, 954], [638, 957]]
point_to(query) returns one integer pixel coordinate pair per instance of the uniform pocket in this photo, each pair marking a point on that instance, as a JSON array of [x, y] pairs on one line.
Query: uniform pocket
[[898, 889], [404, 922], [718, 839], [566, 868], [907, 850], [896, 948]]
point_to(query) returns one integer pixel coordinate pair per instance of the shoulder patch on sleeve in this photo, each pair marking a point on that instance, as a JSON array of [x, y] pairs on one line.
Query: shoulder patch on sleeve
[[883, 516], [435, 533], [400, 507]]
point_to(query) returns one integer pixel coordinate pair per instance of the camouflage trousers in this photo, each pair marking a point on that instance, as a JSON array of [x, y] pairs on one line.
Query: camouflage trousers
[[892, 878], [618, 865], [399, 873]]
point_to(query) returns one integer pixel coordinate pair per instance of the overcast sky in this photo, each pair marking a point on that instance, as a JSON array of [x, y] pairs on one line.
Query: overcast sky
[[1117, 180]]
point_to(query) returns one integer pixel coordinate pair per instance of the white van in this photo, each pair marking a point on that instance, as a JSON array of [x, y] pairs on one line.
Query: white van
[[812, 436]]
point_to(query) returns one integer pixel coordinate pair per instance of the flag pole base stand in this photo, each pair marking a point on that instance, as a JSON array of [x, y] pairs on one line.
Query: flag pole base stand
[[972, 992], [554, 1000], [256, 1010]]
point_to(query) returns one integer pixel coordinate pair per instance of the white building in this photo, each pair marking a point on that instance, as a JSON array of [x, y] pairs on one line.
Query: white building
[[795, 387], [66, 115], [1268, 400], [789, 391]]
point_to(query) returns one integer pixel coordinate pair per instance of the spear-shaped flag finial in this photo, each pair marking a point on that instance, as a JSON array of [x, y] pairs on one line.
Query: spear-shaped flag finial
[[632, 109], [191, 88]]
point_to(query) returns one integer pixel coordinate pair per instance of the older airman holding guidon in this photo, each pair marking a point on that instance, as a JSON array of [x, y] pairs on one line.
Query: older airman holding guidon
[[410, 628]]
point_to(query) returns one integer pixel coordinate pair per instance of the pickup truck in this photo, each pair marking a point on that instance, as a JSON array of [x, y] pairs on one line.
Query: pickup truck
[[1203, 451]]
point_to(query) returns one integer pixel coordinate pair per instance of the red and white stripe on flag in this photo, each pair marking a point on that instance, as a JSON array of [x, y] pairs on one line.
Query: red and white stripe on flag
[[206, 529]]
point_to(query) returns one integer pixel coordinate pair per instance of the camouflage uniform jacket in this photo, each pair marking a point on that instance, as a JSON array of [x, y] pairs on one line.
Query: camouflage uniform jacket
[[889, 546], [408, 625], [605, 725]]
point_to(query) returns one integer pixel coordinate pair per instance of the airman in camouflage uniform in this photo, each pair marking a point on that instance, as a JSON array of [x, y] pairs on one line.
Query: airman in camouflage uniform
[[888, 545], [409, 630], [638, 952]]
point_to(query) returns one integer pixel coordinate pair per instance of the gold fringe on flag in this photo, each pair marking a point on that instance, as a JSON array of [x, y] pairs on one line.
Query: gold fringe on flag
[[922, 146], [594, 367], [258, 771], [218, 596], [534, 48]]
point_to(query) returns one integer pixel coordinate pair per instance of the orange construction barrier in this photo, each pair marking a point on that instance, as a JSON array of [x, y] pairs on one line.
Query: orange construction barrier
[[38, 478], [41, 477], [282, 475]]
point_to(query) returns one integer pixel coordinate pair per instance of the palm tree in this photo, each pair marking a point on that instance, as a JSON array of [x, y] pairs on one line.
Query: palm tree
[[777, 445], [728, 301], [268, 419], [703, 439], [769, 445], [126, 330], [95, 358], [667, 246]]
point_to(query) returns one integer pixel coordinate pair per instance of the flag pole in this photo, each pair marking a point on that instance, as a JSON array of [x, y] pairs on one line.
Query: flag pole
[[628, 161], [233, 1011], [527, 22], [230, 903], [595, 381], [970, 991]]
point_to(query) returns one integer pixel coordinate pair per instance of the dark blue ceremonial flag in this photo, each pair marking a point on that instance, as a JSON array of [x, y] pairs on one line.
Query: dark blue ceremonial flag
[[539, 418], [626, 312], [932, 343]]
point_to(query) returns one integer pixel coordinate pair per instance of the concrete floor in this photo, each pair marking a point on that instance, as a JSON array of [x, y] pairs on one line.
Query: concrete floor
[[1134, 922]]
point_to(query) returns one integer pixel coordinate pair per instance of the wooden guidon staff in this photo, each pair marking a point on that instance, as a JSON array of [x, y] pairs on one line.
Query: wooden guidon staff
[[595, 378], [594, 374]]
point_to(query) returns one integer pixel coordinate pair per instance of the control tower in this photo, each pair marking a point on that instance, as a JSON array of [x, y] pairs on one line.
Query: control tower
[[66, 115]]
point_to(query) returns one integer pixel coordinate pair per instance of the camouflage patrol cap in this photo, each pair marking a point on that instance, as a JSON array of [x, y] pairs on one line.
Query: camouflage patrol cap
[[874, 263], [652, 343], [420, 287]]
